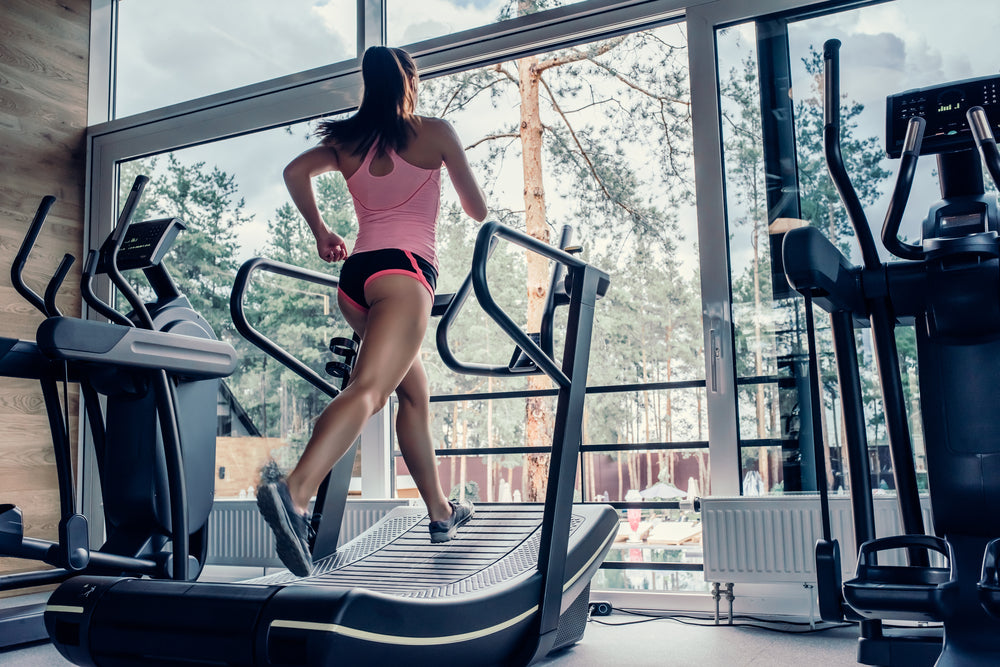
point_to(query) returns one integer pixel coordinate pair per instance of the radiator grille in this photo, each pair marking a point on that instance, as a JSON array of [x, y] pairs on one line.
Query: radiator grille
[[773, 538], [238, 535]]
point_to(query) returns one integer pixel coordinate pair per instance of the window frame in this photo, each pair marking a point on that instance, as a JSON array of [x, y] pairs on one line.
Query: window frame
[[333, 88]]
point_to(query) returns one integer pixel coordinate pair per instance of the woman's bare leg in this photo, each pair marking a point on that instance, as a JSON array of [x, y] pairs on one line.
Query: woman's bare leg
[[414, 435], [393, 331]]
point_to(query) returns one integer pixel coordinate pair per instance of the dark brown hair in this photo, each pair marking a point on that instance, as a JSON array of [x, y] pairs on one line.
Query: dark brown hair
[[385, 117]]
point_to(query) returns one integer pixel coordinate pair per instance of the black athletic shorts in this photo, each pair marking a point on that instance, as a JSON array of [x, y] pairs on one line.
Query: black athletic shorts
[[361, 268]]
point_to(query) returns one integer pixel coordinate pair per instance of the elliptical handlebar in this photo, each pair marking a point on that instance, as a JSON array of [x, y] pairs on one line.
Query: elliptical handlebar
[[109, 254], [901, 193], [87, 292], [979, 124], [17, 268], [55, 283], [834, 158]]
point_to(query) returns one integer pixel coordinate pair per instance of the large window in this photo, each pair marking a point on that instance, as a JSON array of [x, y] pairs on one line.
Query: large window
[[645, 439], [614, 163], [169, 52], [410, 22], [774, 186], [605, 87]]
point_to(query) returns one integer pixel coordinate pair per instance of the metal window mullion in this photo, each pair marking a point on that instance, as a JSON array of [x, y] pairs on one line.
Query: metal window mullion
[[371, 24], [101, 67], [713, 248]]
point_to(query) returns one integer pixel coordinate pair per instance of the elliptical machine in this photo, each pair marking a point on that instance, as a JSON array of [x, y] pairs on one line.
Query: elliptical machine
[[156, 370], [948, 287]]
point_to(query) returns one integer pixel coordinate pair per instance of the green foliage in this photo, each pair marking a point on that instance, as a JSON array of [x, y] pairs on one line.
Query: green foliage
[[471, 492], [299, 316], [617, 167]]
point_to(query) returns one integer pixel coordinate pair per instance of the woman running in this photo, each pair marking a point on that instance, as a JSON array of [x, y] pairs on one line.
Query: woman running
[[391, 159]]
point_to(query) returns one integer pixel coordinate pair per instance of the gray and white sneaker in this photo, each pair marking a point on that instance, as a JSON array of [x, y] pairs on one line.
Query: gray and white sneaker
[[442, 531], [291, 529]]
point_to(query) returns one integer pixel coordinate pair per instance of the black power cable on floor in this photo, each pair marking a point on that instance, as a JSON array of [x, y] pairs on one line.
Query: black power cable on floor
[[783, 627]]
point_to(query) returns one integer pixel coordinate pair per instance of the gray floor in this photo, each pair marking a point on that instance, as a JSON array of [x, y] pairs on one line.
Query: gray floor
[[659, 642]]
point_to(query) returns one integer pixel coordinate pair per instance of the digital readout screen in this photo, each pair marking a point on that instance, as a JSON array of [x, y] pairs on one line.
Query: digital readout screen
[[943, 108]]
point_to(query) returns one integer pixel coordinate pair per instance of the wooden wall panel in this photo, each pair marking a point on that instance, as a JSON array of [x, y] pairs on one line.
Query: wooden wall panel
[[44, 55]]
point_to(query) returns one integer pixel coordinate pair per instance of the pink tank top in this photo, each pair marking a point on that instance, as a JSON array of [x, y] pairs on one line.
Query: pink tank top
[[398, 210]]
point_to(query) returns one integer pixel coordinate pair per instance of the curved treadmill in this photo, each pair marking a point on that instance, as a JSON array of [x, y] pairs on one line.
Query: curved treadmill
[[386, 596], [512, 587]]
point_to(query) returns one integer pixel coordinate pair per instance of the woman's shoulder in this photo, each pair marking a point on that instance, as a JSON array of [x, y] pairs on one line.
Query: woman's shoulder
[[436, 129], [435, 125]]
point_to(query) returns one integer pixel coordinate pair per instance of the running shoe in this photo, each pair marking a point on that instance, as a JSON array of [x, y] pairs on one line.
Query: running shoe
[[291, 529], [442, 531]]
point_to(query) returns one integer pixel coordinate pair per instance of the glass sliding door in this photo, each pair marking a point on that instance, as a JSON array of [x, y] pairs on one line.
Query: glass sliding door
[[770, 84], [606, 151]]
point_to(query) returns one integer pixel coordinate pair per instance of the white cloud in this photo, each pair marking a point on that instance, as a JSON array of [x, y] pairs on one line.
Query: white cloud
[[171, 52], [411, 22]]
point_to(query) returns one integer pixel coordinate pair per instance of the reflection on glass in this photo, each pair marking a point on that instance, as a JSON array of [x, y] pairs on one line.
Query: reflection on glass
[[657, 536], [410, 22], [169, 52], [768, 339], [924, 48]]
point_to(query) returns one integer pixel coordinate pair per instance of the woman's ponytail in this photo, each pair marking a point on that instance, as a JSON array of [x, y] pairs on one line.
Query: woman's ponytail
[[385, 116]]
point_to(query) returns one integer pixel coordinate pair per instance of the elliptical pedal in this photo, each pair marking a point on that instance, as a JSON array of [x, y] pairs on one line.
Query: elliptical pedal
[[903, 592], [989, 583]]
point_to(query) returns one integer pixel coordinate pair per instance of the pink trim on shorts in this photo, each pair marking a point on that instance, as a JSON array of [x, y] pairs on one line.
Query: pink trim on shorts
[[416, 273], [351, 301]]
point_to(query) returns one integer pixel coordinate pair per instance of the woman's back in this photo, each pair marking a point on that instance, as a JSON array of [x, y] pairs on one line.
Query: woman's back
[[425, 149], [397, 195]]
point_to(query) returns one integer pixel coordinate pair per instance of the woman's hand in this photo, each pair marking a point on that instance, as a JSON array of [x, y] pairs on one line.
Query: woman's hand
[[331, 246]]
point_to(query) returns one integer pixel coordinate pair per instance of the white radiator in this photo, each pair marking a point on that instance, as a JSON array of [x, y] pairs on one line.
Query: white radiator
[[237, 534], [772, 538]]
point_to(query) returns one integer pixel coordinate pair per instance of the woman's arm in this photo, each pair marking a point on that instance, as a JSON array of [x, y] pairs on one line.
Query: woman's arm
[[298, 177], [469, 193]]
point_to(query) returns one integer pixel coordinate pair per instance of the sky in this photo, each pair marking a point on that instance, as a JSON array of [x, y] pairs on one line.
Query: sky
[[169, 52], [887, 48]]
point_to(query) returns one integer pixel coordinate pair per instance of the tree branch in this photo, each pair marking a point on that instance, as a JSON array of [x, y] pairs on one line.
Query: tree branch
[[583, 153], [498, 68], [575, 55], [638, 88], [493, 137], [468, 98]]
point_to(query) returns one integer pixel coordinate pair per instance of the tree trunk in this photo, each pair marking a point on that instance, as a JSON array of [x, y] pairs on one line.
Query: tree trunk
[[621, 489], [465, 445], [538, 420], [763, 465], [490, 466], [645, 416]]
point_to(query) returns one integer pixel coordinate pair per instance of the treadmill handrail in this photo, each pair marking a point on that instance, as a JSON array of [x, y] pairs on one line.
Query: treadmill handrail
[[247, 330], [486, 241]]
